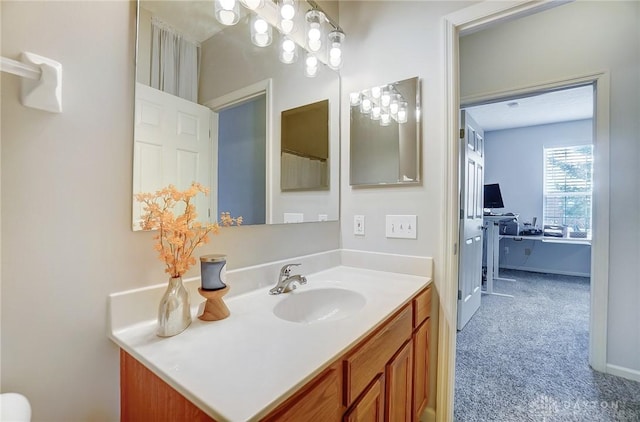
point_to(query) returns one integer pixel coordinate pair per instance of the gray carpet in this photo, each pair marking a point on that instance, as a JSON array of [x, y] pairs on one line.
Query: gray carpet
[[526, 358]]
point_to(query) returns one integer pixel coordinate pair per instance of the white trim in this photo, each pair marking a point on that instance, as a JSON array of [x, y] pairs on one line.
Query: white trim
[[470, 19], [543, 270], [244, 94], [621, 371]]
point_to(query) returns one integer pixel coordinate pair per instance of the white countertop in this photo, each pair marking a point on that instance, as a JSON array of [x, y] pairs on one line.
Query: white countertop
[[242, 367]]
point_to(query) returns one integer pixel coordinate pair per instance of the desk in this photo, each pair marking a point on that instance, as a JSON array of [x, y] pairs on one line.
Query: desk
[[551, 239], [492, 224]]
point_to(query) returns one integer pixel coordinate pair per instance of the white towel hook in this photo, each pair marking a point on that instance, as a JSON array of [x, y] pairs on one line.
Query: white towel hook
[[41, 83]]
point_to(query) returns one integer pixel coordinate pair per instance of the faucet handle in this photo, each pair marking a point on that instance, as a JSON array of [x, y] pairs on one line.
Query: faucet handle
[[286, 270]]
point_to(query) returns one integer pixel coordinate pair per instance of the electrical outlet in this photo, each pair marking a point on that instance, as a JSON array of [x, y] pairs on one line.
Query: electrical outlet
[[322, 217], [358, 225], [401, 226]]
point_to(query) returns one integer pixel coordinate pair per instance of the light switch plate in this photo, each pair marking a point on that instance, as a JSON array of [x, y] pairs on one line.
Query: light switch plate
[[293, 217], [401, 226], [358, 225]]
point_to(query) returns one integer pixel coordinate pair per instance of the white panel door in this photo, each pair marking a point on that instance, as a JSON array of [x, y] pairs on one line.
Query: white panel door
[[471, 213], [172, 146]]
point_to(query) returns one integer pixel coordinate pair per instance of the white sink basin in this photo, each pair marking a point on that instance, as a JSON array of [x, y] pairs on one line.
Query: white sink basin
[[319, 305]]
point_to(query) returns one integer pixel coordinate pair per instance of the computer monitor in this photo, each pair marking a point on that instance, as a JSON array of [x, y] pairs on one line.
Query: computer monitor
[[492, 196]]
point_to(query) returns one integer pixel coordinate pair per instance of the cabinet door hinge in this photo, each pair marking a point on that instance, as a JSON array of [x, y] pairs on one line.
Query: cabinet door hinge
[[455, 248], [459, 294], [461, 133]]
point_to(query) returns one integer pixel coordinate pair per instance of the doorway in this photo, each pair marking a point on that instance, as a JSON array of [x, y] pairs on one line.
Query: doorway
[[466, 20], [533, 320]]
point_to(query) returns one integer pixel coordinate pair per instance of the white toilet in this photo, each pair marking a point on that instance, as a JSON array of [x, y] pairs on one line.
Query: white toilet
[[14, 407]]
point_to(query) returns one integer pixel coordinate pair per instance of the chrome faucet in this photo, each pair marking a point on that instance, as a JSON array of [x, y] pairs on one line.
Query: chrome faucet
[[286, 280]]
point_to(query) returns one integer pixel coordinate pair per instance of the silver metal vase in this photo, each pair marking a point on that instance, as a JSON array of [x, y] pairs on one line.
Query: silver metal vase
[[174, 312]]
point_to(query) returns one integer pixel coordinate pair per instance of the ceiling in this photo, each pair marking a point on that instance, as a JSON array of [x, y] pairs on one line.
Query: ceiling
[[550, 107]]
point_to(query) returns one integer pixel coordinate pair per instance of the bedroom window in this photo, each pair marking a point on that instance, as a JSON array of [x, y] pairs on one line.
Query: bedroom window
[[568, 186]]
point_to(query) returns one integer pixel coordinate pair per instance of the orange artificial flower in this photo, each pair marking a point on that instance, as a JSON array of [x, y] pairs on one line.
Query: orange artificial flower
[[178, 236]]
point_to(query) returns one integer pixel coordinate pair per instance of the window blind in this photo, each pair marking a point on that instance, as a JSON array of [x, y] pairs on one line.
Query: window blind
[[568, 185]]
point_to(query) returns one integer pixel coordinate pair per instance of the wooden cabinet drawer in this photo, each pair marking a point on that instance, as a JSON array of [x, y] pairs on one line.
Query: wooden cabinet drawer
[[362, 365], [421, 307]]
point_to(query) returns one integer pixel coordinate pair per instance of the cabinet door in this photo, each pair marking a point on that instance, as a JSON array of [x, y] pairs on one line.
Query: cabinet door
[[319, 401], [399, 385], [421, 369], [370, 406], [145, 397]]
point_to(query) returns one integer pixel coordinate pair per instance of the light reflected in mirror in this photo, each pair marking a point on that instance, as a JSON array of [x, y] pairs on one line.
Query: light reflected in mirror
[[385, 134], [217, 119]]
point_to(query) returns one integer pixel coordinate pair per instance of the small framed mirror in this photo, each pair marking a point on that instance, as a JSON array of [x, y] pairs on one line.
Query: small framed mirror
[[385, 135], [305, 147]]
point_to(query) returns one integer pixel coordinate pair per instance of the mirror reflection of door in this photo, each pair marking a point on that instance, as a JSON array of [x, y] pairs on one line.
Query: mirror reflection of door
[[241, 160]]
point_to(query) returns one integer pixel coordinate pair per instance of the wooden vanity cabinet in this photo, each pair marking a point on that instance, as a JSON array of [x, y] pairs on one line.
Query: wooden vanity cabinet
[[382, 378]]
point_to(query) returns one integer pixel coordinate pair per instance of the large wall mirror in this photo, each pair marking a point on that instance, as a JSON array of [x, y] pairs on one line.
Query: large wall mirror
[[385, 135], [210, 107]]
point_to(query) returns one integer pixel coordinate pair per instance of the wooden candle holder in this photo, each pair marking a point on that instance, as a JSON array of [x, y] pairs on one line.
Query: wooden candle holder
[[214, 309]]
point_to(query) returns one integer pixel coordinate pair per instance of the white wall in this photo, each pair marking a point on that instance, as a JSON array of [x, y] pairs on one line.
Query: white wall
[[389, 41], [514, 158], [571, 40], [66, 211]]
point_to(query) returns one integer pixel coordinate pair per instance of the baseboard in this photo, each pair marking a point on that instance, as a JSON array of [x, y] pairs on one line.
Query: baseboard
[[544, 270], [621, 371]]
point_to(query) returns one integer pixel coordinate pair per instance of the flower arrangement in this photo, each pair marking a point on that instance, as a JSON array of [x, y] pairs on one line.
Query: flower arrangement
[[178, 235]]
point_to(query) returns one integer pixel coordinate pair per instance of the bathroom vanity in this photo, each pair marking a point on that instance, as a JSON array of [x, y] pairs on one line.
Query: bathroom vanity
[[286, 357]]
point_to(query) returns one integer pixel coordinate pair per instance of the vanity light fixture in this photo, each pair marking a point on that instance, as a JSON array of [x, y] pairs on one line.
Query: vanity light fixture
[[261, 33], [381, 103], [227, 11], [283, 15]]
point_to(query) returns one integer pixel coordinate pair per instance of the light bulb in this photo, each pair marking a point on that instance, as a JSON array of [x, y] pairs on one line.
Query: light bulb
[[311, 66], [227, 12], [385, 97], [288, 45], [311, 61], [376, 112], [227, 4], [393, 107], [375, 92], [287, 10], [288, 53], [385, 119], [261, 26], [402, 116], [260, 32], [365, 106], [354, 98]]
